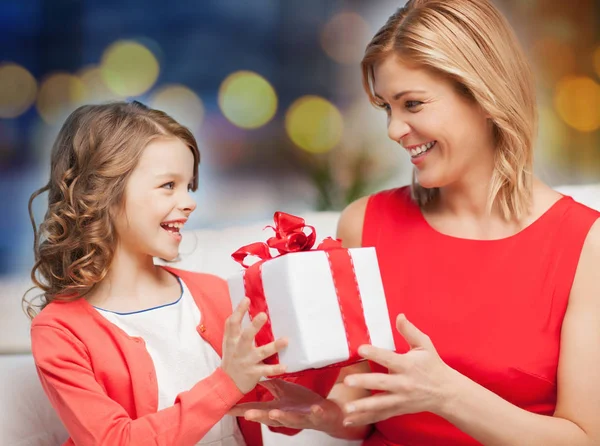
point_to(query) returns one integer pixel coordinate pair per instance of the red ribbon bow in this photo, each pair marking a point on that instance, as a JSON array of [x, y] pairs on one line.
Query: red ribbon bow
[[290, 236]]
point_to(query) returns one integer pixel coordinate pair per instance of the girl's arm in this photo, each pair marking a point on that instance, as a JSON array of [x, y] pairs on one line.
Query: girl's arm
[[91, 417]]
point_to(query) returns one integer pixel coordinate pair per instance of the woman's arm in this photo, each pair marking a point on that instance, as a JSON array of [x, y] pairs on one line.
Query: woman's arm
[[420, 381], [576, 421]]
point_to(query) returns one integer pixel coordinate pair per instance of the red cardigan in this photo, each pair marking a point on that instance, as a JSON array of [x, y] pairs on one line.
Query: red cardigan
[[102, 382]]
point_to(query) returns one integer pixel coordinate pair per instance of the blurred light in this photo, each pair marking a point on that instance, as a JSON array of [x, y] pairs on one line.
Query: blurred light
[[553, 59], [129, 68], [151, 45], [59, 95], [597, 61], [95, 89], [577, 101], [345, 37], [18, 89], [560, 27], [314, 124], [181, 103], [225, 145], [247, 99], [527, 6], [553, 136]]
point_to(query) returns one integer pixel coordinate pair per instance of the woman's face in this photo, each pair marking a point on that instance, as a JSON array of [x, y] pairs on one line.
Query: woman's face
[[446, 135]]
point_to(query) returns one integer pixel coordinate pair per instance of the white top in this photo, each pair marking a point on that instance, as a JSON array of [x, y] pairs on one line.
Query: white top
[[181, 357]]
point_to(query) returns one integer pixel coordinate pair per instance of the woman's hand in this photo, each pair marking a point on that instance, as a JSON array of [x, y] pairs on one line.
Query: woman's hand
[[293, 406], [418, 380], [242, 361]]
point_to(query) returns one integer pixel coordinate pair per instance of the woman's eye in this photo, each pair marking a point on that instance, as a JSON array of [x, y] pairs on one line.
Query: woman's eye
[[169, 185], [413, 104], [384, 106]]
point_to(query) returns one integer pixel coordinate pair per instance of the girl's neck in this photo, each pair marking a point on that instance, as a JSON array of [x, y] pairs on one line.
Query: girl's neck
[[134, 283]]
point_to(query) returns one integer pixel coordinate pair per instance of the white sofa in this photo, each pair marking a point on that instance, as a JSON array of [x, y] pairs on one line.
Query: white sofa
[[26, 418]]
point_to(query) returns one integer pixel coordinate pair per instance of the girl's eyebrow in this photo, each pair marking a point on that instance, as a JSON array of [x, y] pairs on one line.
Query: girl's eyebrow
[[171, 175]]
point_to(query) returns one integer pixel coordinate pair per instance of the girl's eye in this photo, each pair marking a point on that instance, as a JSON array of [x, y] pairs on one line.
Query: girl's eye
[[169, 185], [413, 104]]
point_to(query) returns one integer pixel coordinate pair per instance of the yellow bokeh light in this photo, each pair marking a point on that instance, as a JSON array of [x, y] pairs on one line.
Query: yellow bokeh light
[[96, 90], [577, 101], [247, 99], [314, 124], [59, 95], [129, 68], [597, 61], [18, 89], [181, 103], [345, 37]]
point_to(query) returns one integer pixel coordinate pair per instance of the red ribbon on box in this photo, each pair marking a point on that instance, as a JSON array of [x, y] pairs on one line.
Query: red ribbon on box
[[290, 237]]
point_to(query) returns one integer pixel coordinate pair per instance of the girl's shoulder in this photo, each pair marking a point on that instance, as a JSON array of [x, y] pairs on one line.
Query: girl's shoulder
[[210, 292], [62, 313]]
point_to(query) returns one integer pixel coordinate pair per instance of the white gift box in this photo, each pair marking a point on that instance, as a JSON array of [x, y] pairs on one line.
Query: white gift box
[[303, 306]]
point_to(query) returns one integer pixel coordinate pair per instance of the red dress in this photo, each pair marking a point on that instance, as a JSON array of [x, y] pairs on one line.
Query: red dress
[[492, 308]]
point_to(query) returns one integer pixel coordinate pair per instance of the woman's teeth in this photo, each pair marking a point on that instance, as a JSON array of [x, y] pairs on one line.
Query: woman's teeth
[[421, 149]]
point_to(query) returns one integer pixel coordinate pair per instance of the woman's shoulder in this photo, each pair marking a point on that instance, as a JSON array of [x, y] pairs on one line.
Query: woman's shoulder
[[581, 211], [574, 218], [352, 219]]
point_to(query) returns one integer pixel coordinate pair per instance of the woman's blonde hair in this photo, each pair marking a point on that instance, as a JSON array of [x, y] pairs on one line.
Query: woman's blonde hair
[[471, 44], [92, 158]]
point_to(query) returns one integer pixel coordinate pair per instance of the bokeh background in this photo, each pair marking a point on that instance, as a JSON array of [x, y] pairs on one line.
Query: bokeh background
[[270, 88]]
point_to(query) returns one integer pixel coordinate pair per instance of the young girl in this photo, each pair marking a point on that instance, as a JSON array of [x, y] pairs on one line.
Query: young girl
[[130, 353]]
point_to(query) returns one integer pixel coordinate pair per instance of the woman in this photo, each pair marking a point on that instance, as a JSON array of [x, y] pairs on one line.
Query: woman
[[496, 269]]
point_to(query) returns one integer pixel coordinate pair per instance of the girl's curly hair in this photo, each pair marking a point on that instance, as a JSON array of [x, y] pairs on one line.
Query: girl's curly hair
[[92, 158]]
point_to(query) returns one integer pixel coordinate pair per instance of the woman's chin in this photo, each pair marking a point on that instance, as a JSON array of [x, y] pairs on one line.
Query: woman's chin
[[428, 181]]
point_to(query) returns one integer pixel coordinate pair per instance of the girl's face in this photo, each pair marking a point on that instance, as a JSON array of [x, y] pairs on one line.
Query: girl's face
[[446, 135], [157, 200]]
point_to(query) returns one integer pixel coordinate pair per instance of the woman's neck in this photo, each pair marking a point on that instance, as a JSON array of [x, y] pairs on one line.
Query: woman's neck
[[462, 211]]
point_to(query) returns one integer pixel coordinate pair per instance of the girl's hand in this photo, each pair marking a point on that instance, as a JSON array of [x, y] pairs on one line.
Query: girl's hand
[[294, 406], [418, 380], [242, 361]]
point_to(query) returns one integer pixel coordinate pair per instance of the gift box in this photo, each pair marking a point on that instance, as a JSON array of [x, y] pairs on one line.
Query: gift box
[[327, 301]]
